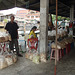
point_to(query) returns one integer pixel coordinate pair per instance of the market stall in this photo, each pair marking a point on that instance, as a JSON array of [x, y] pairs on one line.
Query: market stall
[[64, 40], [6, 58]]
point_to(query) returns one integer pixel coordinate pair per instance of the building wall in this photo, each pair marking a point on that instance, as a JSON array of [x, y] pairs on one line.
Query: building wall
[[27, 16]]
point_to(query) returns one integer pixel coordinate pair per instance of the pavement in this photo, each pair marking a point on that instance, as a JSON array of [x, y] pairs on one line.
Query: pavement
[[66, 66]]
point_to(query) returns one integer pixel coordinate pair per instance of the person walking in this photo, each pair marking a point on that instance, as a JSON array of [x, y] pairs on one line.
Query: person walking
[[12, 29]]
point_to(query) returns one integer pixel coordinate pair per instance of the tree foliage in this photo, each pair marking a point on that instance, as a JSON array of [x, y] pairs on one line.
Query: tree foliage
[[60, 18]]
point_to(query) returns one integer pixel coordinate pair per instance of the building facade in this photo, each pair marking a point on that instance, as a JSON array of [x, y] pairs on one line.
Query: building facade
[[27, 16]]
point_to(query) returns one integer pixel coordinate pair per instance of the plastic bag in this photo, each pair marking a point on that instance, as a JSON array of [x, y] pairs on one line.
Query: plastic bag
[[6, 38], [26, 55], [9, 60], [43, 57], [15, 58], [3, 63], [36, 59], [31, 56], [54, 46]]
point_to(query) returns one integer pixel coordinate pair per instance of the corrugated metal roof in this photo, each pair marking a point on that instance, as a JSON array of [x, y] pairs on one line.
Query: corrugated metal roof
[[63, 5], [6, 4]]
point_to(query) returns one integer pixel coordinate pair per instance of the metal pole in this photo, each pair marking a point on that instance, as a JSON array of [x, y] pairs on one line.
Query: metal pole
[[56, 35]]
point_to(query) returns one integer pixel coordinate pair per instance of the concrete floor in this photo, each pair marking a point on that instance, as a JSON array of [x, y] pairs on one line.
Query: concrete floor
[[66, 66]]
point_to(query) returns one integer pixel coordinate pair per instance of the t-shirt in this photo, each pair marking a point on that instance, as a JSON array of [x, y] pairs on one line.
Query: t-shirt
[[32, 34], [12, 29]]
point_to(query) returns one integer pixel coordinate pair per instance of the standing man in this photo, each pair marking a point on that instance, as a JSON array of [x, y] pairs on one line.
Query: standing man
[[12, 28]]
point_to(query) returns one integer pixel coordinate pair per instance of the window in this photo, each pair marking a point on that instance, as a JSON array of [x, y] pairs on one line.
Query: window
[[22, 18], [32, 12], [37, 16], [22, 21], [28, 16], [32, 16], [36, 11]]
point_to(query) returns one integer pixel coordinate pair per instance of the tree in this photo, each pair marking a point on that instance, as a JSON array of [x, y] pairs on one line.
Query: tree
[[63, 18], [59, 18], [53, 17], [68, 19]]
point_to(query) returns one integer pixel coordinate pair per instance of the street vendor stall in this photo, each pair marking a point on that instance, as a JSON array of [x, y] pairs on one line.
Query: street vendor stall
[[6, 58], [65, 42]]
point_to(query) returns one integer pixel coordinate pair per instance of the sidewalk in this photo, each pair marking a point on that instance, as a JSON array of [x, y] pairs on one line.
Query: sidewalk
[[66, 66]]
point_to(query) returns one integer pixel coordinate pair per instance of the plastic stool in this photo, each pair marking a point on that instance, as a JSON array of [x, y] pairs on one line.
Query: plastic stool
[[59, 55], [68, 48], [62, 52]]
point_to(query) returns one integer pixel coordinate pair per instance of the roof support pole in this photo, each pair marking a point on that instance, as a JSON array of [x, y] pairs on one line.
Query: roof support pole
[[44, 11], [56, 35], [72, 13], [71, 16]]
